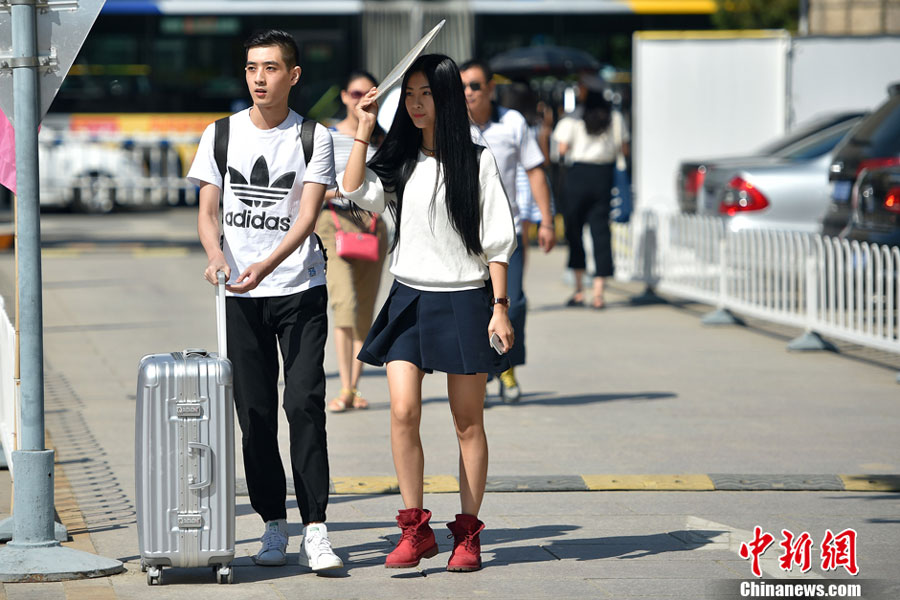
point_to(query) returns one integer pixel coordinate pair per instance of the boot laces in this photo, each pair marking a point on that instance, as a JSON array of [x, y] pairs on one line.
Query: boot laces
[[467, 540], [411, 533]]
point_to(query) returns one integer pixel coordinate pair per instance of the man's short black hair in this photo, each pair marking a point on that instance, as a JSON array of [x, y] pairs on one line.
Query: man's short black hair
[[275, 37], [481, 64]]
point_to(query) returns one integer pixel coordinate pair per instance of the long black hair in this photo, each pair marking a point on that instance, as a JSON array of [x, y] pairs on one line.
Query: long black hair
[[597, 112], [453, 148]]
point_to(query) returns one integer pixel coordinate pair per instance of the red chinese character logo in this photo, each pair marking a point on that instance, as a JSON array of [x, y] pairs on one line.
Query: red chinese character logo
[[757, 546], [840, 551], [795, 553]]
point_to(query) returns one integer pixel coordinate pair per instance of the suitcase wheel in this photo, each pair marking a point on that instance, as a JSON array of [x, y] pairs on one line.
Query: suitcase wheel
[[154, 576], [225, 574]]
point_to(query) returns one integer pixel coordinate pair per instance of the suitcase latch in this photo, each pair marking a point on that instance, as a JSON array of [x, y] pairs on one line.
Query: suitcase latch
[[190, 521], [189, 410]]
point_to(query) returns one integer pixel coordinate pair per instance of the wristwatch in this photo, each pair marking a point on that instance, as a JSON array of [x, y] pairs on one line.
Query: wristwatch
[[503, 301]]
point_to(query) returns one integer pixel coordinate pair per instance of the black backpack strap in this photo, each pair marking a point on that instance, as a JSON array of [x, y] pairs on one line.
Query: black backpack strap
[[307, 138], [220, 146], [220, 153]]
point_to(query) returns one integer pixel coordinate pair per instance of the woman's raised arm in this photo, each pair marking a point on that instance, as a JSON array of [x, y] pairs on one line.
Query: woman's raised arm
[[366, 110]]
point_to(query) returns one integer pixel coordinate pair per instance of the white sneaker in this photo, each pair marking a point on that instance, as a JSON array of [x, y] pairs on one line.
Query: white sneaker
[[316, 552], [274, 545]]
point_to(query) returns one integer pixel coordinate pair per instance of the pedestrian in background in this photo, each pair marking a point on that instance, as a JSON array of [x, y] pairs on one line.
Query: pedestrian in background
[[505, 132], [590, 144], [352, 282], [454, 231], [276, 298]]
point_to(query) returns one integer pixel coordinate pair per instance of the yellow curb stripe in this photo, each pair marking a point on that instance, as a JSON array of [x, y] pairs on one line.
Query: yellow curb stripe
[[871, 483], [686, 482], [89, 590], [61, 252], [365, 485], [673, 7], [67, 508], [159, 252], [441, 484]]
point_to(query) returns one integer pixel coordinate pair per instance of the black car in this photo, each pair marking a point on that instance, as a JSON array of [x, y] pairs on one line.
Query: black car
[[874, 144], [876, 211]]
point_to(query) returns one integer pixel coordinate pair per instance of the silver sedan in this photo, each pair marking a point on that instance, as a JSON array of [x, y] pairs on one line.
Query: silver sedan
[[788, 189]]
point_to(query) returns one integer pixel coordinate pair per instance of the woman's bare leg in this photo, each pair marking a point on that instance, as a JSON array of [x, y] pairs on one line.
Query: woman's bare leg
[[466, 394], [405, 384]]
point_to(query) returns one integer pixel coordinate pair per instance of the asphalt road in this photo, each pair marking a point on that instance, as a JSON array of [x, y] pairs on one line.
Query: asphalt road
[[683, 420]]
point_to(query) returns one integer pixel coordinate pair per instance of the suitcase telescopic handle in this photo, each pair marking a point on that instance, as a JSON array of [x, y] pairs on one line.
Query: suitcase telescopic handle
[[220, 314], [203, 449]]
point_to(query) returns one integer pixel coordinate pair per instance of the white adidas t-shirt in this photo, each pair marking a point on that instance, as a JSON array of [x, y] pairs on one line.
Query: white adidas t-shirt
[[264, 179]]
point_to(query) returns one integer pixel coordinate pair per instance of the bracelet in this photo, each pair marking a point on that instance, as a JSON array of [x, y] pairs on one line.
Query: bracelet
[[548, 226], [363, 142]]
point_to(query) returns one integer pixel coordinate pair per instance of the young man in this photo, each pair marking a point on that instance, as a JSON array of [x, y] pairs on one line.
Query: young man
[[275, 268], [506, 133]]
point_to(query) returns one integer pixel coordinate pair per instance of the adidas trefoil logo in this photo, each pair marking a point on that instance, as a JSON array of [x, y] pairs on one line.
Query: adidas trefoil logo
[[259, 193]]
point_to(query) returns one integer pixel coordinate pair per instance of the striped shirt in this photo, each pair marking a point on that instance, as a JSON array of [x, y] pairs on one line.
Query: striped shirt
[[343, 144]]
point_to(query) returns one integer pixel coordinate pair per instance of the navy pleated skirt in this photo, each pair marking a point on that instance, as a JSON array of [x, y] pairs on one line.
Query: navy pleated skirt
[[436, 331]]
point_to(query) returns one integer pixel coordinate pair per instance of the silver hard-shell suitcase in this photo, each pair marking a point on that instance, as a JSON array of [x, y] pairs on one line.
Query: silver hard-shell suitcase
[[184, 459]]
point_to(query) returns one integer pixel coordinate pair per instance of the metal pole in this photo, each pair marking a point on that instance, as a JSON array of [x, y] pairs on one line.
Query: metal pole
[[34, 554], [35, 526]]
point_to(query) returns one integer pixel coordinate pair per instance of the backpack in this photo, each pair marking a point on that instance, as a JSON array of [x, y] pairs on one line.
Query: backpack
[[220, 152], [220, 143]]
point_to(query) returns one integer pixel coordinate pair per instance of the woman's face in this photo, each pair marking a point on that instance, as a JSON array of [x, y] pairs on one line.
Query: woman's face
[[419, 101], [355, 91]]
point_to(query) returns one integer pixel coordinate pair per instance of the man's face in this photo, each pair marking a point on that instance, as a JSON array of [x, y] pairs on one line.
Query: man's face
[[478, 90], [268, 77]]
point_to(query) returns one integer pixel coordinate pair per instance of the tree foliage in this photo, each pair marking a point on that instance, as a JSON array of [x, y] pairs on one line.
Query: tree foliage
[[757, 14]]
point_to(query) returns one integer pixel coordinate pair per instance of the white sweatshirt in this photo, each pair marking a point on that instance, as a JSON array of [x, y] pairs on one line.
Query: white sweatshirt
[[431, 255]]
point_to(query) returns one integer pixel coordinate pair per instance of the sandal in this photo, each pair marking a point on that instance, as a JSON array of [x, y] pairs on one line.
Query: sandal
[[577, 299], [359, 402], [342, 402]]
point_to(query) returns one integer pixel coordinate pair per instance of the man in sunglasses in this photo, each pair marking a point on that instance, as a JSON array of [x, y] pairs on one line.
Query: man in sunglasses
[[505, 132]]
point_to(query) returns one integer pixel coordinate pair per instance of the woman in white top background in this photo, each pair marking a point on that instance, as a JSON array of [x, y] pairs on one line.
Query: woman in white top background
[[589, 144], [454, 232], [352, 283]]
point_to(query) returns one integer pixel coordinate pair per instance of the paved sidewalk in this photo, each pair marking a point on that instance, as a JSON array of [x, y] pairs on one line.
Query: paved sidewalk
[[633, 398]]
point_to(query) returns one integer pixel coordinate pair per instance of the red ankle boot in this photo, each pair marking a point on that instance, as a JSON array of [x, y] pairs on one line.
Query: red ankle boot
[[416, 542], [466, 555]]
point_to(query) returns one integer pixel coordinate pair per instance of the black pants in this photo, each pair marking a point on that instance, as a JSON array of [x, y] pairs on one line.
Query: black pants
[[588, 201], [298, 324]]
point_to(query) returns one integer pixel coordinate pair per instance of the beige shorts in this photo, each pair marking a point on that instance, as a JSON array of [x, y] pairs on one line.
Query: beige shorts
[[352, 284]]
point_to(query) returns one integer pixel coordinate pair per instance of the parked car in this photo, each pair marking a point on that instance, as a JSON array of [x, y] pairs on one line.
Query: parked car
[[786, 190], [86, 175], [875, 207], [692, 173], [874, 145]]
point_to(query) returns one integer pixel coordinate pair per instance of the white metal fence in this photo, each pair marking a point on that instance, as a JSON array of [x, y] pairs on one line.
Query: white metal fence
[[8, 389], [96, 171], [846, 290]]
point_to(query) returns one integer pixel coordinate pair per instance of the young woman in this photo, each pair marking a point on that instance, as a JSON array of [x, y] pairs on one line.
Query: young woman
[[454, 232], [352, 283], [590, 144]]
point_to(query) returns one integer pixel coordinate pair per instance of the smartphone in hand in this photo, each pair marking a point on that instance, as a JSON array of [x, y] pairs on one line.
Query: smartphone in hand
[[497, 344]]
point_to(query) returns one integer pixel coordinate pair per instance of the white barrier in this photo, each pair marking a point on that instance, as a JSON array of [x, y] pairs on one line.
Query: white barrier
[[95, 171], [845, 290], [8, 390]]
